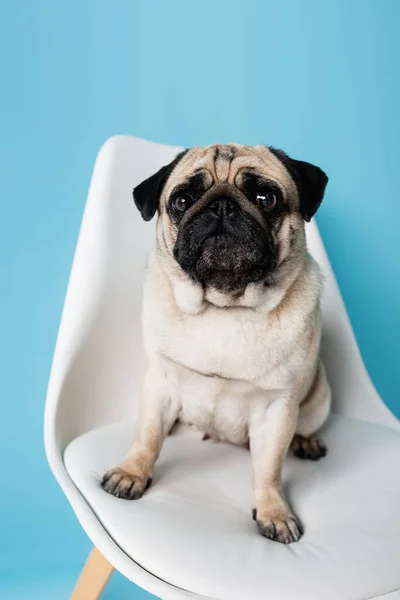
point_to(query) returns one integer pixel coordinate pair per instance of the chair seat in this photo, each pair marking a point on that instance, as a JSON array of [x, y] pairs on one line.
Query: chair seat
[[193, 528]]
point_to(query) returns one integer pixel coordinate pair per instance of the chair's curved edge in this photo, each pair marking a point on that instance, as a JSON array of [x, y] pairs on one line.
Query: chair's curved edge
[[104, 542], [376, 411]]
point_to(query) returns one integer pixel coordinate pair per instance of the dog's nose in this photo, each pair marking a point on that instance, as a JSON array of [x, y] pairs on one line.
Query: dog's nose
[[222, 207]]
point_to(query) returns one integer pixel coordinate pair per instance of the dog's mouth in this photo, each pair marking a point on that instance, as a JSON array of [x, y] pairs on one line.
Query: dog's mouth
[[229, 263], [223, 251], [218, 241]]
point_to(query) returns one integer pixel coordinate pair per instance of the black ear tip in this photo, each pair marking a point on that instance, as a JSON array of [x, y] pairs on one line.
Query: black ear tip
[[146, 210], [323, 181], [324, 178], [146, 216], [312, 193]]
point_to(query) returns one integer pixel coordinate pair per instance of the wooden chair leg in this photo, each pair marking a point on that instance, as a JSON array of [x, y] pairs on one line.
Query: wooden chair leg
[[93, 578]]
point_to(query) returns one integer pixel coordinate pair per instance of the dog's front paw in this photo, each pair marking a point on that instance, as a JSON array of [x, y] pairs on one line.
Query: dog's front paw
[[122, 484], [285, 528]]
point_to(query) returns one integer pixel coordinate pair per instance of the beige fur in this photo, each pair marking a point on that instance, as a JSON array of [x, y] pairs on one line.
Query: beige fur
[[240, 368]]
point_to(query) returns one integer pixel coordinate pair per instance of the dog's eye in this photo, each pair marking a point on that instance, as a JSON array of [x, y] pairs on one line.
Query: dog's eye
[[266, 199], [182, 203]]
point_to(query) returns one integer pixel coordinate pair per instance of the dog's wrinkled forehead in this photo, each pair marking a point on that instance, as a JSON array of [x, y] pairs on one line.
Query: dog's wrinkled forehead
[[227, 163]]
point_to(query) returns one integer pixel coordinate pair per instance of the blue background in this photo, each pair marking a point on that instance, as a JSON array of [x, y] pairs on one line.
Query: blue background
[[315, 77]]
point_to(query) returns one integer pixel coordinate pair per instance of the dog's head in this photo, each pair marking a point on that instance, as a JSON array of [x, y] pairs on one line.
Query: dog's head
[[231, 215]]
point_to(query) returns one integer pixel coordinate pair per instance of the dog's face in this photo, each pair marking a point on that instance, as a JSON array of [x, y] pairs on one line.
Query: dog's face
[[231, 215]]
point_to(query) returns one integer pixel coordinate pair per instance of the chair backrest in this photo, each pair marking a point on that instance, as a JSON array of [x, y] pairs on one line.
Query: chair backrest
[[98, 361]]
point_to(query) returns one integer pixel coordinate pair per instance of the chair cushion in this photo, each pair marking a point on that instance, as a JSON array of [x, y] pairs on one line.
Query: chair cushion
[[193, 527]]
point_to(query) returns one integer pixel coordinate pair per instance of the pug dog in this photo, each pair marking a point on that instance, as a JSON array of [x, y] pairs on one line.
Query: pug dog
[[231, 318]]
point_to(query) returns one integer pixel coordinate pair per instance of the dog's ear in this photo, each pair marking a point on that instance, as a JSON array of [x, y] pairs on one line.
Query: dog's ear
[[147, 194], [310, 181]]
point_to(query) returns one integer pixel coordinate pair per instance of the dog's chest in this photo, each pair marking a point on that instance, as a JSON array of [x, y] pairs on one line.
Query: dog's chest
[[237, 344]]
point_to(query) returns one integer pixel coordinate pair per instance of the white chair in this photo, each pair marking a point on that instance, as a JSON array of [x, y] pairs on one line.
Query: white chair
[[191, 535]]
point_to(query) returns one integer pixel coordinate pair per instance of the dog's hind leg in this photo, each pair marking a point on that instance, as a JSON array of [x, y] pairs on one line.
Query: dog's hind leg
[[313, 413]]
